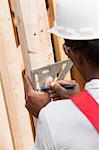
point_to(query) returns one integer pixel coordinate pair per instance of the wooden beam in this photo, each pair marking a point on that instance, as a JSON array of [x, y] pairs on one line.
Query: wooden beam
[[5, 134], [12, 83], [32, 25]]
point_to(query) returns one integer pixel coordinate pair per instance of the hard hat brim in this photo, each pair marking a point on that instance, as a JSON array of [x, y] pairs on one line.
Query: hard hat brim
[[65, 35]]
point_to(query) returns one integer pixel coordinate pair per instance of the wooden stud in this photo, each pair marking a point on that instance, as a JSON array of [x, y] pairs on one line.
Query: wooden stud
[[6, 141], [12, 83], [32, 25]]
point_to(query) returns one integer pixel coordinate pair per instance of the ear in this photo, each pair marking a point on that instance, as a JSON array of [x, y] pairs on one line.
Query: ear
[[76, 57]]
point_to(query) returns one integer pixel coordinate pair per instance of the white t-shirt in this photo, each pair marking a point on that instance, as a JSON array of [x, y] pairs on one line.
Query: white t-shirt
[[62, 126]]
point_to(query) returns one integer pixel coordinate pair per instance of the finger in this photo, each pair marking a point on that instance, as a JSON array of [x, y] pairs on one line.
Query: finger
[[57, 98], [29, 79], [62, 82], [48, 81], [53, 95], [31, 110], [28, 86], [26, 97], [25, 93], [29, 106], [58, 88], [73, 82]]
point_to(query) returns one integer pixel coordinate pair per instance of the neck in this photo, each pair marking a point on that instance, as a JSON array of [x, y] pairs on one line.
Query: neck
[[91, 74]]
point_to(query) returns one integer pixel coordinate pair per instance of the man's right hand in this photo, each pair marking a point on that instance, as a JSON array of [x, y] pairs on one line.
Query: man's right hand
[[59, 92]]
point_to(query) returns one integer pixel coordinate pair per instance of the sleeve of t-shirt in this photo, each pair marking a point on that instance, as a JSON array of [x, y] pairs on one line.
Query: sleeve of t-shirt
[[44, 140]]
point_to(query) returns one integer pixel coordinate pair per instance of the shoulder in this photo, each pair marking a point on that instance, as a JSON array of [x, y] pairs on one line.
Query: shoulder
[[65, 114], [65, 119], [62, 112]]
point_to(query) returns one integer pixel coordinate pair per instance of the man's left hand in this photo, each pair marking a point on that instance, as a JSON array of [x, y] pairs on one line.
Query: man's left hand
[[35, 101]]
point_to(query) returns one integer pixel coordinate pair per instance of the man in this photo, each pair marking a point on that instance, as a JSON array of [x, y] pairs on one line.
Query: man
[[71, 124]]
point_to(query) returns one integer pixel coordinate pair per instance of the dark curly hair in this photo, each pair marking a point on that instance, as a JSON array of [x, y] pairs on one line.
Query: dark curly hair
[[88, 48]]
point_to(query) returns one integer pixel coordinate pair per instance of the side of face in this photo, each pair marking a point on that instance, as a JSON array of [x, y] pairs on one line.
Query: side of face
[[79, 61]]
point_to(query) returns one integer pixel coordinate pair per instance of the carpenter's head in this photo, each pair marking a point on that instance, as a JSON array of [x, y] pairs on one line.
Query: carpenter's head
[[81, 30], [84, 54]]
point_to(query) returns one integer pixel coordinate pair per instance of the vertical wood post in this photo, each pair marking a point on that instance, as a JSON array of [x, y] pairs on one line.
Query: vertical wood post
[[12, 84], [5, 134], [32, 25]]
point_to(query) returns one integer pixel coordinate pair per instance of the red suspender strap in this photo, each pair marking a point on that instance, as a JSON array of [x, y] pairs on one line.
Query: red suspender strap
[[88, 106]]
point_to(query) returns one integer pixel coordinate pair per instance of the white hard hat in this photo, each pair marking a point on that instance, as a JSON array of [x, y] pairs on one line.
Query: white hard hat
[[76, 19]]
